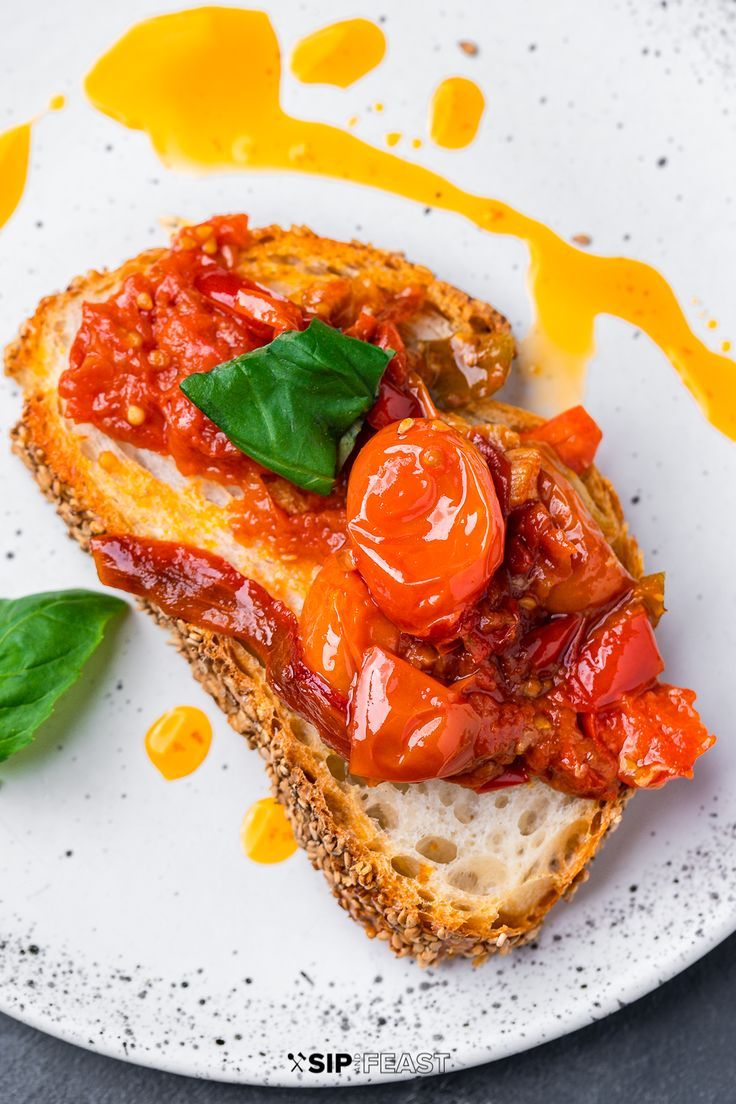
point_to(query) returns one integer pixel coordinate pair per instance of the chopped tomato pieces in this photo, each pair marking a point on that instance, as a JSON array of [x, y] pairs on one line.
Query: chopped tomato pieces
[[573, 435], [340, 621], [405, 726], [424, 523], [268, 313], [619, 656], [597, 575], [657, 735], [547, 645]]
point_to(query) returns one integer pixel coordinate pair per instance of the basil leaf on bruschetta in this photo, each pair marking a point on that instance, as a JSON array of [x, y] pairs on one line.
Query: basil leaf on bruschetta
[[293, 404], [45, 640]]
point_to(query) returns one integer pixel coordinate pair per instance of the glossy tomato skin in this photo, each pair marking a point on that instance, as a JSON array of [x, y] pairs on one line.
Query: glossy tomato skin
[[619, 656], [656, 735], [597, 576], [405, 726], [340, 622], [572, 434], [424, 524]]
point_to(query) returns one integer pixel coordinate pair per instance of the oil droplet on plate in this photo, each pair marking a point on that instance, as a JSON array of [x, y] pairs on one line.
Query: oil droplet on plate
[[339, 54], [266, 834], [455, 112], [15, 149], [178, 742], [207, 84]]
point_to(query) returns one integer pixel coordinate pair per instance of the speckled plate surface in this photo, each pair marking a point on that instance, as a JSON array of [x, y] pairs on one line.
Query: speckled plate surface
[[130, 921]]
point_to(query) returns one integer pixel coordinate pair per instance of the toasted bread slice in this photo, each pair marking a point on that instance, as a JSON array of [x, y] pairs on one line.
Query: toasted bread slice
[[434, 869]]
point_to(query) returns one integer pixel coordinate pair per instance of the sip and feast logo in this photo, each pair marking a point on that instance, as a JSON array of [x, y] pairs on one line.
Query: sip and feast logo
[[370, 1061]]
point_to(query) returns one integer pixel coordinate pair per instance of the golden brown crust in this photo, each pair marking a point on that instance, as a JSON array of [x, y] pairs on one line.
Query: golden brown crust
[[339, 839]]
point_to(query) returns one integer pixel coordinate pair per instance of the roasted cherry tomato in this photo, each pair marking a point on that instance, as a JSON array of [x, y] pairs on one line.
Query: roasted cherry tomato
[[425, 524], [405, 726], [340, 621], [657, 735], [620, 655], [573, 435], [263, 309], [597, 575]]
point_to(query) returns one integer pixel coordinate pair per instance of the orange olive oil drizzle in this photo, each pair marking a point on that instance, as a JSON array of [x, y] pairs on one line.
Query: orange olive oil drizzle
[[339, 54], [15, 151], [177, 743], [455, 112], [207, 94], [265, 834]]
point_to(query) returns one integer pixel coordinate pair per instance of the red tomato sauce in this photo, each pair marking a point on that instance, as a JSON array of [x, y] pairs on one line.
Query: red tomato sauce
[[189, 312], [458, 628]]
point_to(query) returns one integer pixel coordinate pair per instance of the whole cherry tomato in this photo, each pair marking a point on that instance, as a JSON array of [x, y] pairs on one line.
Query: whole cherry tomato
[[618, 656], [340, 621], [405, 726], [425, 524]]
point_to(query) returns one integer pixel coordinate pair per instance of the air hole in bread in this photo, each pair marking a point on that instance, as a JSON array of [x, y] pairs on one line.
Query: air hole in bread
[[309, 775], [335, 805], [501, 801], [405, 865], [595, 824], [465, 808], [478, 876], [385, 816], [527, 822], [337, 767], [402, 787], [437, 849], [573, 839], [425, 895]]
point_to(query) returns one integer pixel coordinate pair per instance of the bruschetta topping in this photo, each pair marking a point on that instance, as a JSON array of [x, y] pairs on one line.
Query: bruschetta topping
[[470, 619]]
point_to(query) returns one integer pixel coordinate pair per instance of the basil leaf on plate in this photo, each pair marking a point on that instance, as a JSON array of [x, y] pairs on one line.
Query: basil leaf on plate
[[45, 639], [293, 405]]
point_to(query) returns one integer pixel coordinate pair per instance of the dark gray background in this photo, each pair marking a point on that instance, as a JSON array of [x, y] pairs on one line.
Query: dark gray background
[[676, 1045]]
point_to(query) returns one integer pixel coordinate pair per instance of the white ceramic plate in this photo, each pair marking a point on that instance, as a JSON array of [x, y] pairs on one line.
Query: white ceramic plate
[[130, 921]]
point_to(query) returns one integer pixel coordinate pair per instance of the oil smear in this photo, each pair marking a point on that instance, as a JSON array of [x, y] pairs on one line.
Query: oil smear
[[178, 742], [15, 153], [339, 54], [207, 94], [265, 834], [455, 113]]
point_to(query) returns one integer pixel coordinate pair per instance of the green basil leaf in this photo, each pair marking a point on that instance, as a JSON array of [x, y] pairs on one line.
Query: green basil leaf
[[289, 404], [45, 639]]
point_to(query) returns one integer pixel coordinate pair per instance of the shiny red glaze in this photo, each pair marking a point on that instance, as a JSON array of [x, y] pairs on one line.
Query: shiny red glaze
[[596, 575], [424, 523], [498, 466], [512, 776], [267, 313], [340, 622], [572, 434], [656, 735], [546, 646], [405, 726], [202, 588], [620, 655]]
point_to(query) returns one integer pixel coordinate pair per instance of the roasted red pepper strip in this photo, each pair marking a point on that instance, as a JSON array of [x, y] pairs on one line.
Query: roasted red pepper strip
[[619, 656], [202, 588], [573, 435], [405, 726], [263, 308], [657, 735], [547, 645]]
